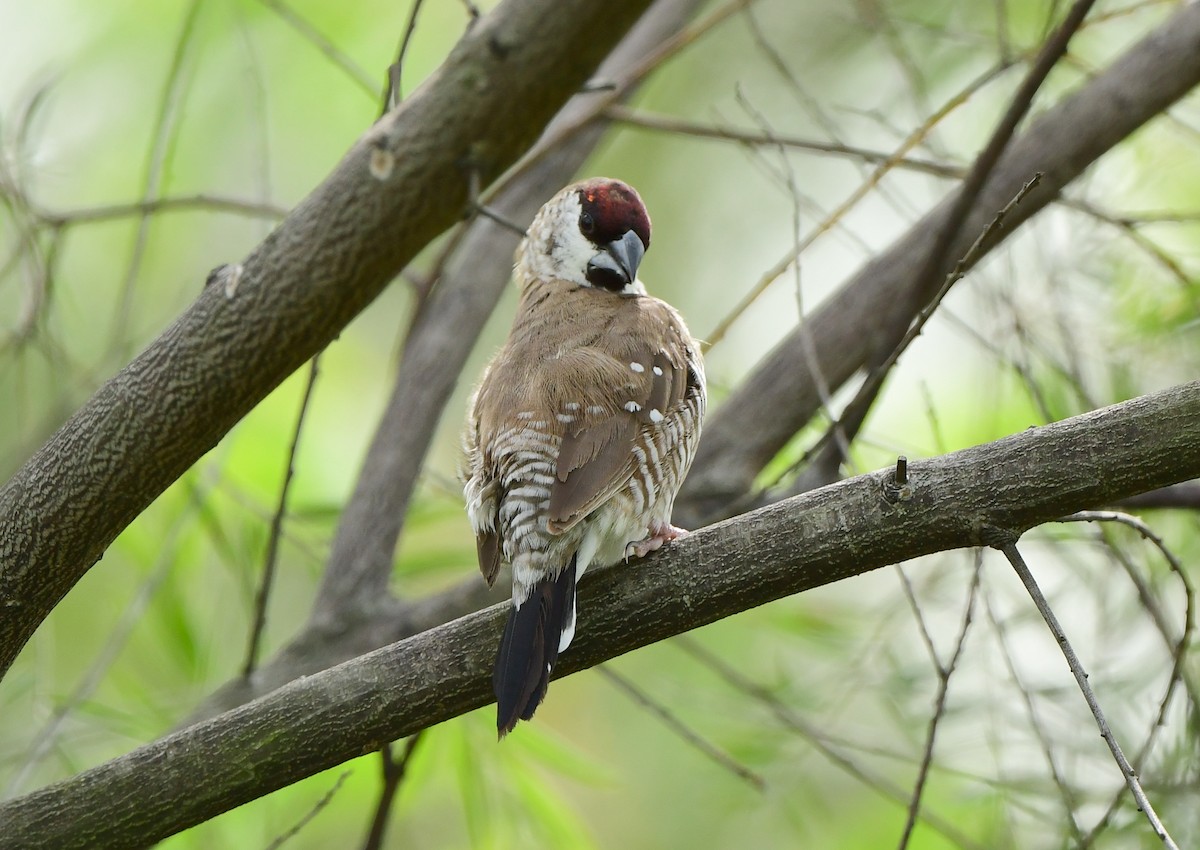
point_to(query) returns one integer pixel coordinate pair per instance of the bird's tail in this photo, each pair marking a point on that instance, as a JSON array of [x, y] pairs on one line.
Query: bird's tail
[[533, 637]]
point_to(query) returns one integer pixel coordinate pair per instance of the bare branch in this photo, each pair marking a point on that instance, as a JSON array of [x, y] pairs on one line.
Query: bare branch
[[213, 203], [831, 451], [821, 537], [394, 772], [1130, 776], [944, 672], [325, 800], [318, 40], [685, 732], [694, 129], [165, 127], [272, 555], [1035, 722], [394, 93], [877, 782]]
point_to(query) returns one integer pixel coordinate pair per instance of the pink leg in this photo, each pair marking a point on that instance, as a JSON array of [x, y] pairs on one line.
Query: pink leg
[[660, 533]]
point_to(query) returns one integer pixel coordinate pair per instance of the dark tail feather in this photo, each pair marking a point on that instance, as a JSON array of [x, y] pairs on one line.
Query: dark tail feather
[[529, 649]]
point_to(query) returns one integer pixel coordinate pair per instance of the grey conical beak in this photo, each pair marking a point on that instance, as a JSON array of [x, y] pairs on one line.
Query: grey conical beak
[[620, 258]]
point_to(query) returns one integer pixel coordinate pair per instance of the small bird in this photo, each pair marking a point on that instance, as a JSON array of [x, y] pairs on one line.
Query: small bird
[[582, 428]]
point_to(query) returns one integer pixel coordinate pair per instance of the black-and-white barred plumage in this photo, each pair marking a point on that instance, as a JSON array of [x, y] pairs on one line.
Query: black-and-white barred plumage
[[582, 429]]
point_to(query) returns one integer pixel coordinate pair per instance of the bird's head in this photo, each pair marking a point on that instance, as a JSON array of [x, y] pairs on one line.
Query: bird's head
[[592, 233]]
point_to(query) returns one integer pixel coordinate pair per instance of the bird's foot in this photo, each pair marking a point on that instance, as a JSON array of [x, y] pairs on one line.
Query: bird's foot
[[660, 533]]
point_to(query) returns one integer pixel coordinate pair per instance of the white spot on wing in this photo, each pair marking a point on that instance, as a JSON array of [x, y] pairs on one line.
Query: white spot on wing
[[632, 406], [658, 370], [637, 367], [656, 415]]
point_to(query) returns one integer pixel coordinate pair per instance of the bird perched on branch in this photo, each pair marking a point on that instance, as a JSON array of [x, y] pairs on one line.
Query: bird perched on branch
[[582, 428]]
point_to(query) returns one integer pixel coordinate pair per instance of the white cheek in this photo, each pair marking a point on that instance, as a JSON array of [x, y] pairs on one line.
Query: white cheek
[[571, 256]]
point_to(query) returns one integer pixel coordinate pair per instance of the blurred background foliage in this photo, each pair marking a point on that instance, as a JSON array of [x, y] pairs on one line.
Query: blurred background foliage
[[105, 105]]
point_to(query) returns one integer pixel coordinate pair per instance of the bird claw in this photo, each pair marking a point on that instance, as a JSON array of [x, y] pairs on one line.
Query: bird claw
[[659, 534]]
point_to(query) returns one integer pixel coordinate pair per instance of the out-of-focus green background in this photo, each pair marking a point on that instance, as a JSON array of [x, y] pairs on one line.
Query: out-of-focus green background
[[111, 103]]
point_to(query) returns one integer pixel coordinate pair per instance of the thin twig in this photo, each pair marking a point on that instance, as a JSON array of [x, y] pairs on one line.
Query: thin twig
[[855, 413], [1129, 228], [848, 424], [956, 274], [165, 128], [610, 96], [694, 129], [944, 673], [811, 361], [985, 163], [1064, 790], [910, 596], [272, 556], [393, 94], [114, 643], [312, 813], [393, 775], [811, 107], [213, 203], [1177, 648], [318, 40], [817, 738], [909, 143], [473, 12], [685, 732], [259, 99], [1081, 677]]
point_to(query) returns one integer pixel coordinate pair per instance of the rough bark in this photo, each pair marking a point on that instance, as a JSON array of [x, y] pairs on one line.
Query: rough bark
[[401, 184], [980, 496]]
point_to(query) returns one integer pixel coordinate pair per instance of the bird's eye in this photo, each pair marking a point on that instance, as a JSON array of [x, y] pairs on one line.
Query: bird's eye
[[587, 224]]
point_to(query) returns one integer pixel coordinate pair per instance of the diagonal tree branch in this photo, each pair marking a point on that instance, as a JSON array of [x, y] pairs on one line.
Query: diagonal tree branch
[[780, 396], [400, 185], [820, 537]]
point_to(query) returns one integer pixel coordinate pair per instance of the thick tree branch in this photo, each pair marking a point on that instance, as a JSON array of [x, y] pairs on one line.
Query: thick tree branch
[[846, 332], [820, 537], [397, 188]]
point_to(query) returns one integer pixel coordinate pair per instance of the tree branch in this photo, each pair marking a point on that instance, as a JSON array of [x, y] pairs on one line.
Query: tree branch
[[820, 537], [780, 396], [400, 185]]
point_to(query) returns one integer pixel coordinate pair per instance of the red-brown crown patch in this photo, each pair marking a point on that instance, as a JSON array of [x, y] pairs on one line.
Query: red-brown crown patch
[[610, 210]]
